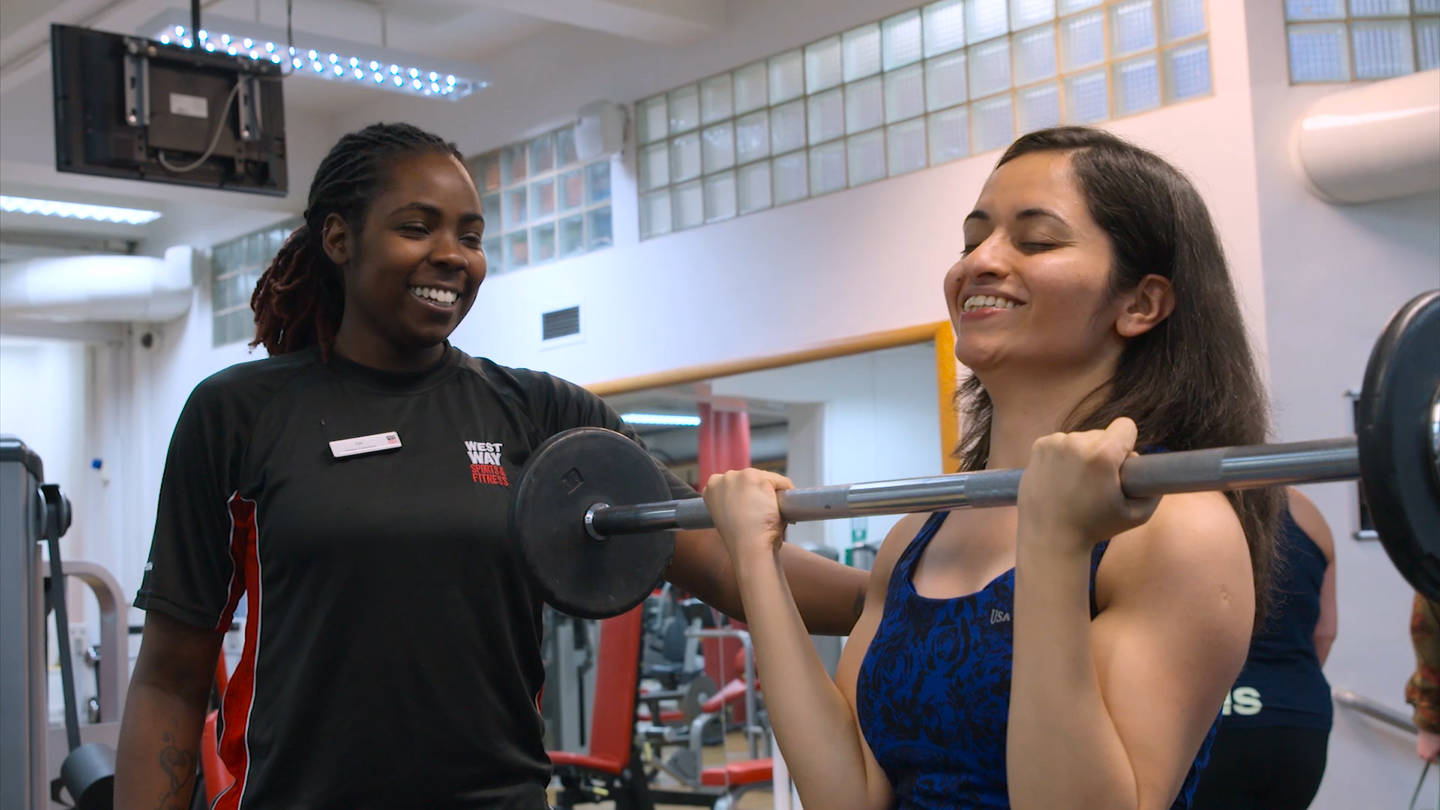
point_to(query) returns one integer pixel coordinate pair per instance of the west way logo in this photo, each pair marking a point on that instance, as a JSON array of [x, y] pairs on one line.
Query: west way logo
[[485, 467]]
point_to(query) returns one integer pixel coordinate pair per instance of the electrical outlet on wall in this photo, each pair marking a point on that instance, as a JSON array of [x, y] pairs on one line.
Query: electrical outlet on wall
[[79, 642]]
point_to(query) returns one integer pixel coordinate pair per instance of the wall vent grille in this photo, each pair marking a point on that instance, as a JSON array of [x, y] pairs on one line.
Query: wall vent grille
[[560, 323]]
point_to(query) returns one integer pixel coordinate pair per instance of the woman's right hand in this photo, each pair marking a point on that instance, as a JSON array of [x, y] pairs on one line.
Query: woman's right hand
[[744, 505], [1072, 480]]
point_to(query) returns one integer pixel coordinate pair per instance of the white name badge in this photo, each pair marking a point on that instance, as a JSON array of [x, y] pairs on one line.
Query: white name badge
[[365, 444]]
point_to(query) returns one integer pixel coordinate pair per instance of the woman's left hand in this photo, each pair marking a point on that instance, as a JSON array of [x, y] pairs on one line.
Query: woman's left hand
[[744, 505], [1073, 482]]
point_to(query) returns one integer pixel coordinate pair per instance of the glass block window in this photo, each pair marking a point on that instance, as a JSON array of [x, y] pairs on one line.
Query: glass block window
[[919, 88], [1360, 40], [235, 267], [542, 203]]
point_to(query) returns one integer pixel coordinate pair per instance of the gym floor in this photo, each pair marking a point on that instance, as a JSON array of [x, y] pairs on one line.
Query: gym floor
[[754, 800], [734, 749]]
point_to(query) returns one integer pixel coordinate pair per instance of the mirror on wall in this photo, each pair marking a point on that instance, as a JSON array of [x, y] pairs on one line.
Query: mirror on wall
[[864, 412]]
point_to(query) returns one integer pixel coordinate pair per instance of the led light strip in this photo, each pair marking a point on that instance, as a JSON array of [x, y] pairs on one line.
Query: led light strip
[[351, 62], [665, 419], [69, 210]]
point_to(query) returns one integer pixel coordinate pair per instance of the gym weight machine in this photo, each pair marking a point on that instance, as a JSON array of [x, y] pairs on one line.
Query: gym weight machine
[[36, 760]]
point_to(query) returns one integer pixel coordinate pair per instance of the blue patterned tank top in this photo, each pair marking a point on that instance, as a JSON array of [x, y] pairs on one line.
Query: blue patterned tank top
[[933, 692]]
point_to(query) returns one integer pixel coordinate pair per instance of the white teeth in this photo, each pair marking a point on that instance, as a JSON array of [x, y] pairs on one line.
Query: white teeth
[[434, 294], [975, 302]]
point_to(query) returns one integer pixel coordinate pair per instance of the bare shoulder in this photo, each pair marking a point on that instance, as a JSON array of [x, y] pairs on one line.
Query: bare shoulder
[[894, 545], [1192, 549], [1307, 516]]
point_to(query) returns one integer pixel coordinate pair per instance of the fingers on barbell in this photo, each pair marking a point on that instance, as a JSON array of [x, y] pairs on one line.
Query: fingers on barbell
[[775, 480], [1104, 448], [1123, 431]]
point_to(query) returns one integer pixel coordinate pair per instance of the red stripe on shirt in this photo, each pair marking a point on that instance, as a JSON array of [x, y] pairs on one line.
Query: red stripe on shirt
[[239, 699], [242, 532]]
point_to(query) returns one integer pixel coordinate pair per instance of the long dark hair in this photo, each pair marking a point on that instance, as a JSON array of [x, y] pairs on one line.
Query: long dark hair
[[1191, 381], [300, 297]]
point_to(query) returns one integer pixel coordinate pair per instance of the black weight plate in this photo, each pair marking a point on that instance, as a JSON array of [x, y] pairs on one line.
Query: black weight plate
[[569, 473], [1397, 467]]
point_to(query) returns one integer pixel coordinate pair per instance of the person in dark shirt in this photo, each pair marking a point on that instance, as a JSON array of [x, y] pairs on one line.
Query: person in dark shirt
[[1073, 650], [1271, 749], [353, 487]]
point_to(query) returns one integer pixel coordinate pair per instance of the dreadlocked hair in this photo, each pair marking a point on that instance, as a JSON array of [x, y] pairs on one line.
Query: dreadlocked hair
[[300, 298]]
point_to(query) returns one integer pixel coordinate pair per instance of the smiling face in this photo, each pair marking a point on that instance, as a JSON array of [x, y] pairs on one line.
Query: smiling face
[[1032, 288], [412, 270]]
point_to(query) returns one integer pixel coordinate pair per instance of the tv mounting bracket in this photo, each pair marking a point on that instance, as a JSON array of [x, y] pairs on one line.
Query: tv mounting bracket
[[137, 91]]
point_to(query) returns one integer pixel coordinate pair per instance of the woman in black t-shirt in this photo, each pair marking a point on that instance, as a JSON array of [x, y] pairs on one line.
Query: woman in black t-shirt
[[355, 312]]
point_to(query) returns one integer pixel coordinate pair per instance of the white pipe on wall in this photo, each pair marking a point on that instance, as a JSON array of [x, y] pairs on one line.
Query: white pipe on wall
[[99, 288], [1373, 142]]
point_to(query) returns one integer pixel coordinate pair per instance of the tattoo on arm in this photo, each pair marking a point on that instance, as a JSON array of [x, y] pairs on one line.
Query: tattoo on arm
[[179, 765]]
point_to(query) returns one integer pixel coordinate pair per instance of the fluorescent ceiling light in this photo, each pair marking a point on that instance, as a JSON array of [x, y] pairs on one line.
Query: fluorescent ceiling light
[[322, 57], [668, 419], [69, 210]]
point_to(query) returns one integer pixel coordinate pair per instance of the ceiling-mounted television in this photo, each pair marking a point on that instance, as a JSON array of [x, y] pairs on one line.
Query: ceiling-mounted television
[[145, 110]]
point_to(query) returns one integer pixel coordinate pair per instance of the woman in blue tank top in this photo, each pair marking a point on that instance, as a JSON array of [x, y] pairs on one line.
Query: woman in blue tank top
[[1275, 727], [1072, 651]]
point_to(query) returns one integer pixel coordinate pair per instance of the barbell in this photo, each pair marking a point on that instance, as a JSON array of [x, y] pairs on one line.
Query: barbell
[[596, 539]]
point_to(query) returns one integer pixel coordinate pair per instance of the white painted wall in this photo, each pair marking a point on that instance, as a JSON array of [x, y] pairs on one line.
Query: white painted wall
[[1333, 276], [43, 403]]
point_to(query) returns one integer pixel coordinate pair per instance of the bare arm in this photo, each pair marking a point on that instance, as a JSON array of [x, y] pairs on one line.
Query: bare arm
[[813, 717], [1328, 624], [1117, 706], [828, 594], [164, 712], [1120, 705], [1307, 516]]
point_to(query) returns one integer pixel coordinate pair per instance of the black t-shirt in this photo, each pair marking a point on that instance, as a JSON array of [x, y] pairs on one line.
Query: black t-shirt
[[392, 642]]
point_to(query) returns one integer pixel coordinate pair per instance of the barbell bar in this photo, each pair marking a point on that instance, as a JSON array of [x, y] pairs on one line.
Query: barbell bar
[[585, 489], [1221, 468]]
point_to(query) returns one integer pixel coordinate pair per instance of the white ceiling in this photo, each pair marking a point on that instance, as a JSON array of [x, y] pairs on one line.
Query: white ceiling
[[458, 30]]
